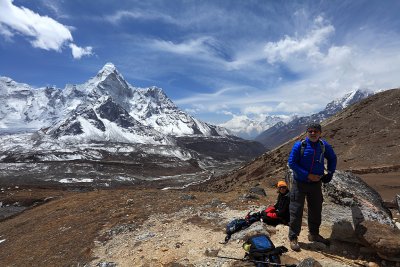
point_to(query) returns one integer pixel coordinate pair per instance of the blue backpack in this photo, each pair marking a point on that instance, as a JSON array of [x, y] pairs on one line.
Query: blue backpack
[[261, 251]]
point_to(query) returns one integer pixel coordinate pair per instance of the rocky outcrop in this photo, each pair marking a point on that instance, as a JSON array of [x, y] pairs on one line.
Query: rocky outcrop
[[354, 212]]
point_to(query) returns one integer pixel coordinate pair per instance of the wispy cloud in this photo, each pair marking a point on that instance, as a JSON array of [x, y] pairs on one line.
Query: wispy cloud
[[192, 47], [120, 15], [42, 31]]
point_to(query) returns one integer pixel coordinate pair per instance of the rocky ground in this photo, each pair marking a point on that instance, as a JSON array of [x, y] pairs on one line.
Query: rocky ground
[[145, 227]]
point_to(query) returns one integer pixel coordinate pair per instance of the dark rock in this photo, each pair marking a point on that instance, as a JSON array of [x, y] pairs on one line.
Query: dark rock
[[398, 202], [215, 202], [309, 262], [258, 190], [188, 197], [115, 113]]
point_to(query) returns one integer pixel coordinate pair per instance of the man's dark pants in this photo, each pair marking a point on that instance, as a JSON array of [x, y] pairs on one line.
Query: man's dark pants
[[298, 193]]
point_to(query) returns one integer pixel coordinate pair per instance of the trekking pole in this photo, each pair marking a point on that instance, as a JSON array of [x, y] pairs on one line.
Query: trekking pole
[[255, 261]]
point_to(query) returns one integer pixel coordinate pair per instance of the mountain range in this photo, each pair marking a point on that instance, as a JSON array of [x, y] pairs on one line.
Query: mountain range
[[106, 120], [284, 131], [75, 111]]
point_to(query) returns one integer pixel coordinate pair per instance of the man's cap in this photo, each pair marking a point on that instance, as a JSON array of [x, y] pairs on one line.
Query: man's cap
[[314, 125], [281, 184]]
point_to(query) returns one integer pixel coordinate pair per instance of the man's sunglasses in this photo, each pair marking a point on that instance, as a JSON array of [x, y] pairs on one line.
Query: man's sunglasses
[[313, 131]]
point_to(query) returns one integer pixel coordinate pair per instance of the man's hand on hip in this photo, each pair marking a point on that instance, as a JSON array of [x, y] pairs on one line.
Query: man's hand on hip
[[314, 177]]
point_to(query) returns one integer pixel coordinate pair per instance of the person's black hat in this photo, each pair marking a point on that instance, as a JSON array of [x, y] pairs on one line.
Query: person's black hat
[[314, 125]]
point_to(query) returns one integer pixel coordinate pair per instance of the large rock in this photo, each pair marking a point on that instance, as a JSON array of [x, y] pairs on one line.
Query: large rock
[[384, 239], [354, 212]]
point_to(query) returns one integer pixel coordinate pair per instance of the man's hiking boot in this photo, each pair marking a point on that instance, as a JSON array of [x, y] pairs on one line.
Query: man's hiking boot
[[318, 238], [294, 245]]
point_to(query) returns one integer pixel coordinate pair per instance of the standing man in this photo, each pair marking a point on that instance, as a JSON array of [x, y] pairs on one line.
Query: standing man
[[307, 162]]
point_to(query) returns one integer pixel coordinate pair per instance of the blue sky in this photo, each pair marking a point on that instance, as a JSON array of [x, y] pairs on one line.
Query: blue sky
[[215, 59]]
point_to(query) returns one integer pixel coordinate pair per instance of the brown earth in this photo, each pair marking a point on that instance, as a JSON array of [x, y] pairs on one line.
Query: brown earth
[[142, 227]]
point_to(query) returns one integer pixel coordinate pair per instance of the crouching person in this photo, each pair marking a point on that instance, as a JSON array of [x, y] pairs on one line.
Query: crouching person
[[278, 213]]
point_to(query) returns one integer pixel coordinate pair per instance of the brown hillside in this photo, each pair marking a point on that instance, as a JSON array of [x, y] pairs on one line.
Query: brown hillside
[[365, 136]]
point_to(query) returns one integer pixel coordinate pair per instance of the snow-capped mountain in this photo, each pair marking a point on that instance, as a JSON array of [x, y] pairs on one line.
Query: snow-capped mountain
[[347, 100], [248, 128], [22, 107], [282, 132], [105, 120], [155, 109], [79, 111]]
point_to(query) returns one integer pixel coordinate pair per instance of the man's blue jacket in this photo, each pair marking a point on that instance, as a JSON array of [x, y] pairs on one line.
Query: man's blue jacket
[[310, 161]]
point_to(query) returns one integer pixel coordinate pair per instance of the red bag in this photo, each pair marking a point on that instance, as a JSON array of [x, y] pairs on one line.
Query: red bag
[[270, 209]]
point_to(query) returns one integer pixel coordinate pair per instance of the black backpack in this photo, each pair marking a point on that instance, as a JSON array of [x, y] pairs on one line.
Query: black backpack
[[262, 251], [304, 144]]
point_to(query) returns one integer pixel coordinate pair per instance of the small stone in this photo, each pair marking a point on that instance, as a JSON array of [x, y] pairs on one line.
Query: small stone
[[188, 197], [372, 264]]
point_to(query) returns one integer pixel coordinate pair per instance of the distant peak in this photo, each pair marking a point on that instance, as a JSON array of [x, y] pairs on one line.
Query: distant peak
[[108, 69]]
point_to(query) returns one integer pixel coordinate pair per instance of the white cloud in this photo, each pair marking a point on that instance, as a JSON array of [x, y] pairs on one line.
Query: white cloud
[[43, 31], [309, 46], [47, 33], [78, 52]]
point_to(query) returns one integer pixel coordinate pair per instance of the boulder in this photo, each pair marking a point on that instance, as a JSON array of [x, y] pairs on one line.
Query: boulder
[[258, 190], [354, 212], [385, 240], [309, 262]]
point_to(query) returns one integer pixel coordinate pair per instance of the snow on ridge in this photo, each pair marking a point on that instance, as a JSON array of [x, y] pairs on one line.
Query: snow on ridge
[[245, 127], [76, 180]]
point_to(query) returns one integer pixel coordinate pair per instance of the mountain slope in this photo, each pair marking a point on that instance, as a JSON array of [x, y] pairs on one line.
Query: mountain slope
[[281, 132], [365, 136]]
